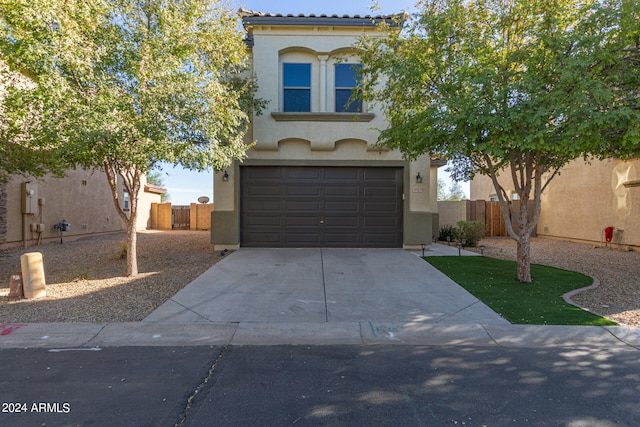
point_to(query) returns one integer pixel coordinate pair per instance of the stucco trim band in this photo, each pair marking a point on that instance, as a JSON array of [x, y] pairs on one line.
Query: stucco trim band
[[322, 117]]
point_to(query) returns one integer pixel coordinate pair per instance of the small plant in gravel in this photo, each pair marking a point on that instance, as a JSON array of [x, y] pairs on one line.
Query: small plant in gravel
[[123, 249], [79, 276]]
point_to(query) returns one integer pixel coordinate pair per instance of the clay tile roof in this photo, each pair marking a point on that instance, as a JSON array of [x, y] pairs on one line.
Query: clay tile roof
[[254, 17]]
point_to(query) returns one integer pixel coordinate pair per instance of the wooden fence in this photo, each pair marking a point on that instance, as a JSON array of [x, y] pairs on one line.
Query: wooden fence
[[180, 217], [494, 220], [196, 216]]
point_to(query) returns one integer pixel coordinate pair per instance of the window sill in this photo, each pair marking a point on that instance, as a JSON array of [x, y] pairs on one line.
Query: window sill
[[322, 117]]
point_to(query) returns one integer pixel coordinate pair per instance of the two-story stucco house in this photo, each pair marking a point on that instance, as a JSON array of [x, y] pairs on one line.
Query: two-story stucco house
[[315, 178]]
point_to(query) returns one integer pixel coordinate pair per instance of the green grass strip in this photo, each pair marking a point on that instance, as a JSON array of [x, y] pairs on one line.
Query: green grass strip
[[494, 282]]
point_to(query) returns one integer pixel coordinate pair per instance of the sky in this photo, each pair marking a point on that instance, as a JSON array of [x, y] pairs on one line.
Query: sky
[[184, 187]]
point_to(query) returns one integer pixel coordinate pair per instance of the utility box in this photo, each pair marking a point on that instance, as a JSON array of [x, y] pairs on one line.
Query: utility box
[[33, 275], [29, 198]]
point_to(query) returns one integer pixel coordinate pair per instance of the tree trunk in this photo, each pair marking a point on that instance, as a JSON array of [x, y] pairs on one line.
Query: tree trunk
[[524, 258], [132, 185], [132, 235], [132, 256], [524, 243]]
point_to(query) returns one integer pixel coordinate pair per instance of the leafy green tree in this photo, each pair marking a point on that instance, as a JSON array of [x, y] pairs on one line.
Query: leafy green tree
[[19, 153], [453, 193], [123, 85], [515, 86]]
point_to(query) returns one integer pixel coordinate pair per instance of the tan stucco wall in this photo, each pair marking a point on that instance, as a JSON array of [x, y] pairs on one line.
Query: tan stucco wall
[[82, 198], [585, 199], [200, 216], [451, 212]]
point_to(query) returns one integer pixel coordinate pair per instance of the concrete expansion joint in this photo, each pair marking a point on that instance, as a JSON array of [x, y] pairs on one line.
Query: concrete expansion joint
[[635, 347], [203, 386], [448, 315], [192, 311], [491, 337], [88, 343]]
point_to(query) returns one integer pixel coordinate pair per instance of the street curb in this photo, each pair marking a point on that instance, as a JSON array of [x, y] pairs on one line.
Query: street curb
[[93, 336]]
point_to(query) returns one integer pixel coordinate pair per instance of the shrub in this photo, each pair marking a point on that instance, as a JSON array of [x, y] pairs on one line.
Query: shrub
[[123, 249], [447, 231], [471, 231]]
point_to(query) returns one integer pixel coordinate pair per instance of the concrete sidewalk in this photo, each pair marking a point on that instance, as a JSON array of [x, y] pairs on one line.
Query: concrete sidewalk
[[59, 337]]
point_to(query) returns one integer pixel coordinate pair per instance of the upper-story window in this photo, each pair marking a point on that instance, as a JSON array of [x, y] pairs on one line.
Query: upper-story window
[[346, 80], [297, 87]]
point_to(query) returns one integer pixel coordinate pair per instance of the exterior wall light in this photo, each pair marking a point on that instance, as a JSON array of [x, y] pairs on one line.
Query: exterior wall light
[[418, 178], [225, 177]]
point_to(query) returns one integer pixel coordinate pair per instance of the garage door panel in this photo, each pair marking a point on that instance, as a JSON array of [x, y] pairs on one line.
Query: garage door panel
[[264, 238], [341, 191], [341, 207], [302, 205], [379, 207], [302, 173], [258, 206], [378, 174], [302, 190], [380, 222], [264, 221], [262, 175], [340, 238], [265, 190], [302, 239], [383, 192], [302, 221], [321, 206], [341, 221], [342, 174]]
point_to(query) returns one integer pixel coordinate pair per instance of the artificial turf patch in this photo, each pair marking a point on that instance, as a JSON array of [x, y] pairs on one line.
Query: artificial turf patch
[[494, 282]]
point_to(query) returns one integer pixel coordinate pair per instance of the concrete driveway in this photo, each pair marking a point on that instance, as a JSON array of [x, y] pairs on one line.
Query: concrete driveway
[[324, 286]]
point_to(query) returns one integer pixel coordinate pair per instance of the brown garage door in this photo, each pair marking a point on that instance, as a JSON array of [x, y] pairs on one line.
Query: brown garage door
[[321, 207]]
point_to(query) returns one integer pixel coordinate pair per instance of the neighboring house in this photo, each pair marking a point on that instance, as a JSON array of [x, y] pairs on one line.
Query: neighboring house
[[584, 200], [315, 178], [30, 208]]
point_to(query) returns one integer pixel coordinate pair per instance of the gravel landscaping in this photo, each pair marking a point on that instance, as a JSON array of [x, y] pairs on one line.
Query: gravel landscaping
[[85, 278], [86, 283]]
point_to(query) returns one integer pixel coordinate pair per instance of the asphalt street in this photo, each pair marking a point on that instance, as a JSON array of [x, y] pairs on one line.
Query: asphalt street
[[321, 386]]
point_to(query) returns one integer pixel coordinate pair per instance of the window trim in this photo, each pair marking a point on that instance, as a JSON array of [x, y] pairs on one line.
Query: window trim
[[359, 105], [306, 88]]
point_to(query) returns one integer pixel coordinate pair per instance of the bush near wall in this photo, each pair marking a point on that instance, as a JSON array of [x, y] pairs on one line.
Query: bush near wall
[[471, 232]]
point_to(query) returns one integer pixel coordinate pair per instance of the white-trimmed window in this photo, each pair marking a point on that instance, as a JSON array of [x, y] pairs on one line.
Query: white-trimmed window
[[346, 80], [296, 84]]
